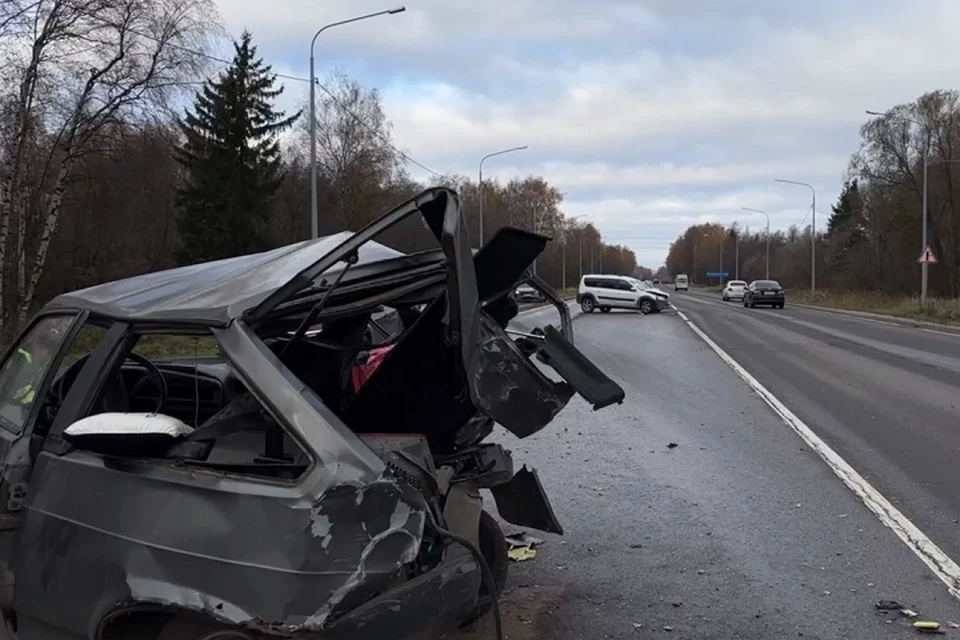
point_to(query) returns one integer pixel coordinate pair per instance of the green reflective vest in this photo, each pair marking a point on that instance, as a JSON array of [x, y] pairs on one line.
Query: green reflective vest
[[25, 394]]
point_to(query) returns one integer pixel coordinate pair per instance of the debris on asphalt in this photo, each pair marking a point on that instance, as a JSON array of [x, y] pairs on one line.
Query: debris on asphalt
[[522, 554], [953, 625], [638, 625], [909, 613], [667, 628], [672, 445], [523, 539], [888, 605], [926, 626]]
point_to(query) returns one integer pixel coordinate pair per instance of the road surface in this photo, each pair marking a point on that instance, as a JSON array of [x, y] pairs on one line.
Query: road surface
[[740, 530]]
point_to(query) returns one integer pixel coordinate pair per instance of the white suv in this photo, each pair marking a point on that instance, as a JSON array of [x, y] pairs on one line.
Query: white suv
[[734, 290], [619, 292]]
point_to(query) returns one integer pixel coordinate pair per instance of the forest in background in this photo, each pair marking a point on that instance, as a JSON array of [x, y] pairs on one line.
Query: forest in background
[[91, 125], [872, 237]]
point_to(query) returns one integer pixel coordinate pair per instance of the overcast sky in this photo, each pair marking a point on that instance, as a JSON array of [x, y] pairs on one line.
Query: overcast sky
[[649, 115]]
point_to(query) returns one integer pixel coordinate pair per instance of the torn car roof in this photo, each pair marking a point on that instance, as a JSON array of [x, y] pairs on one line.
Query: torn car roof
[[213, 293]]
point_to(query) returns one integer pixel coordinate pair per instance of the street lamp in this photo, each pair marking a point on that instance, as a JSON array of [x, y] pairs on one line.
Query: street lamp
[[314, 215], [768, 236], [480, 182], [813, 234], [926, 154], [563, 252]]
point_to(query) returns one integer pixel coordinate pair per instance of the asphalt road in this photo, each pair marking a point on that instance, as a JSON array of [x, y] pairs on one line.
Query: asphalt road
[[740, 531]]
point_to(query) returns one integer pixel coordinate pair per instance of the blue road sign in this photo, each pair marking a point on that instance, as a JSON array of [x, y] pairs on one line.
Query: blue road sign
[[717, 274]]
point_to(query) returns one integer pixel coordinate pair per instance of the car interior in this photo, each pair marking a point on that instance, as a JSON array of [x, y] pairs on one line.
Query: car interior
[[418, 387]]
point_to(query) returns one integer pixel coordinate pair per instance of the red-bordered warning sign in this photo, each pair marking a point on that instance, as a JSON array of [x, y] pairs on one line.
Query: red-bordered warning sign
[[927, 256]]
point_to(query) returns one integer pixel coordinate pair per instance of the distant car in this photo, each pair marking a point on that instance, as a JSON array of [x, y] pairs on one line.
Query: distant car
[[768, 292], [526, 293], [681, 283], [734, 290], [656, 281], [606, 292]]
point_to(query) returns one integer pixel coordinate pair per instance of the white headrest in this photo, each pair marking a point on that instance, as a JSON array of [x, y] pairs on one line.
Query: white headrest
[[117, 423]]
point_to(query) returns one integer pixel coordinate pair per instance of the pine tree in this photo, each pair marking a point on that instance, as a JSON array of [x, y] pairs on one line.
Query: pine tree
[[231, 158], [846, 210]]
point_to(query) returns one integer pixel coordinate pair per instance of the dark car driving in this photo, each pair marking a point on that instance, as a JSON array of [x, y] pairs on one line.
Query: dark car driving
[[761, 292]]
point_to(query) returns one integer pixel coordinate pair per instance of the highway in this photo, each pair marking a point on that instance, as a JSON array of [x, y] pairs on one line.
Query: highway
[[741, 530]]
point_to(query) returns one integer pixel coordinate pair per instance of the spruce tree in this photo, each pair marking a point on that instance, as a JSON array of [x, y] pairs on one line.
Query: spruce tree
[[231, 157]]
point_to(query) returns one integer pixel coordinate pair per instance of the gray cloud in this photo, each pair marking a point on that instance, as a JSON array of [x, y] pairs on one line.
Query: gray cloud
[[648, 115]]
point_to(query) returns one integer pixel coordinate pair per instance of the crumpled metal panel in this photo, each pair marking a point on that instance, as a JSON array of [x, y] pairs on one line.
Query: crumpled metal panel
[[213, 292], [506, 386], [266, 557]]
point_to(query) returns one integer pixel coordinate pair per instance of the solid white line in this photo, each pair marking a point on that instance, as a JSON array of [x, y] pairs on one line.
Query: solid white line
[[939, 563]]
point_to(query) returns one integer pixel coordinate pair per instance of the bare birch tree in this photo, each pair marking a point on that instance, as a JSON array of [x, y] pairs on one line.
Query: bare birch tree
[[77, 70]]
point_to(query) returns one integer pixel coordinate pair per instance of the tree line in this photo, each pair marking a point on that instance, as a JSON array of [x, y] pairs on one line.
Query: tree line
[[104, 175], [872, 239]]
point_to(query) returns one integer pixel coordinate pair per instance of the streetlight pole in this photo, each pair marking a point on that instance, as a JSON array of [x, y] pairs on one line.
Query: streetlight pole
[[721, 259], [813, 234], [480, 183], [923, 241], [563, 252], [736, 255], [767, 276], [314, 214]]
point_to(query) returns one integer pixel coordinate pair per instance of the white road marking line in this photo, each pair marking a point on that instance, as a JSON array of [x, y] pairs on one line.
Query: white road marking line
[[939, 562]]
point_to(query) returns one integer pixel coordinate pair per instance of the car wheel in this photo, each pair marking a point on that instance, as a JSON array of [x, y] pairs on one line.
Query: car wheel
[[494, 547], [646, 306], [587, 305]]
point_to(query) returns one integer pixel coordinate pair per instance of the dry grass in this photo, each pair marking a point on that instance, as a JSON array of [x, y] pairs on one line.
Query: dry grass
[[943, 310]]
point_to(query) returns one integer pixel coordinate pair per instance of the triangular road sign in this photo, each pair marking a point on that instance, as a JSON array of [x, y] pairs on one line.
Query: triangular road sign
[[927, 256]]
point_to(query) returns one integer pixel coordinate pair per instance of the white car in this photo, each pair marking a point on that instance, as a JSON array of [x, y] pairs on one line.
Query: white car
[[681, 283], [734, 290], [606, 292]]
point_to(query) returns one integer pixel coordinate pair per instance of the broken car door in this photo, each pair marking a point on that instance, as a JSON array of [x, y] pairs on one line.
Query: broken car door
[[24, 417]]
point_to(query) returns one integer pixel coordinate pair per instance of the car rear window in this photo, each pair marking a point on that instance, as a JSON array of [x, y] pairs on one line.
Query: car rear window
[[737, 283], [768, 284]]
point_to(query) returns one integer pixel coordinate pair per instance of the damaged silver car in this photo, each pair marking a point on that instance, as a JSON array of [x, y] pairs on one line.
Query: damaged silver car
[[307, 465]]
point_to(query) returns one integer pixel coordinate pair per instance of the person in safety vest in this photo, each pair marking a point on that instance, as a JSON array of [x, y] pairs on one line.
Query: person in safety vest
[[34, 356]]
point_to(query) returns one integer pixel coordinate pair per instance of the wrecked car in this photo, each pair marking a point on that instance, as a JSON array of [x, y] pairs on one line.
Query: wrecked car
[[289, 444]]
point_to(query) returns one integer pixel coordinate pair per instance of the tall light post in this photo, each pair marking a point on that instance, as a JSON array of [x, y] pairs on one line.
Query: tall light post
[[767, 276], [563, 252], [314, 215], [923, 241], [480, 182], [813, 234]]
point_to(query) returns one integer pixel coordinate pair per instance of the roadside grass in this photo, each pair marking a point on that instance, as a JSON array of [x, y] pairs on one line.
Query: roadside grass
[[173, 346], [942, 310]]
